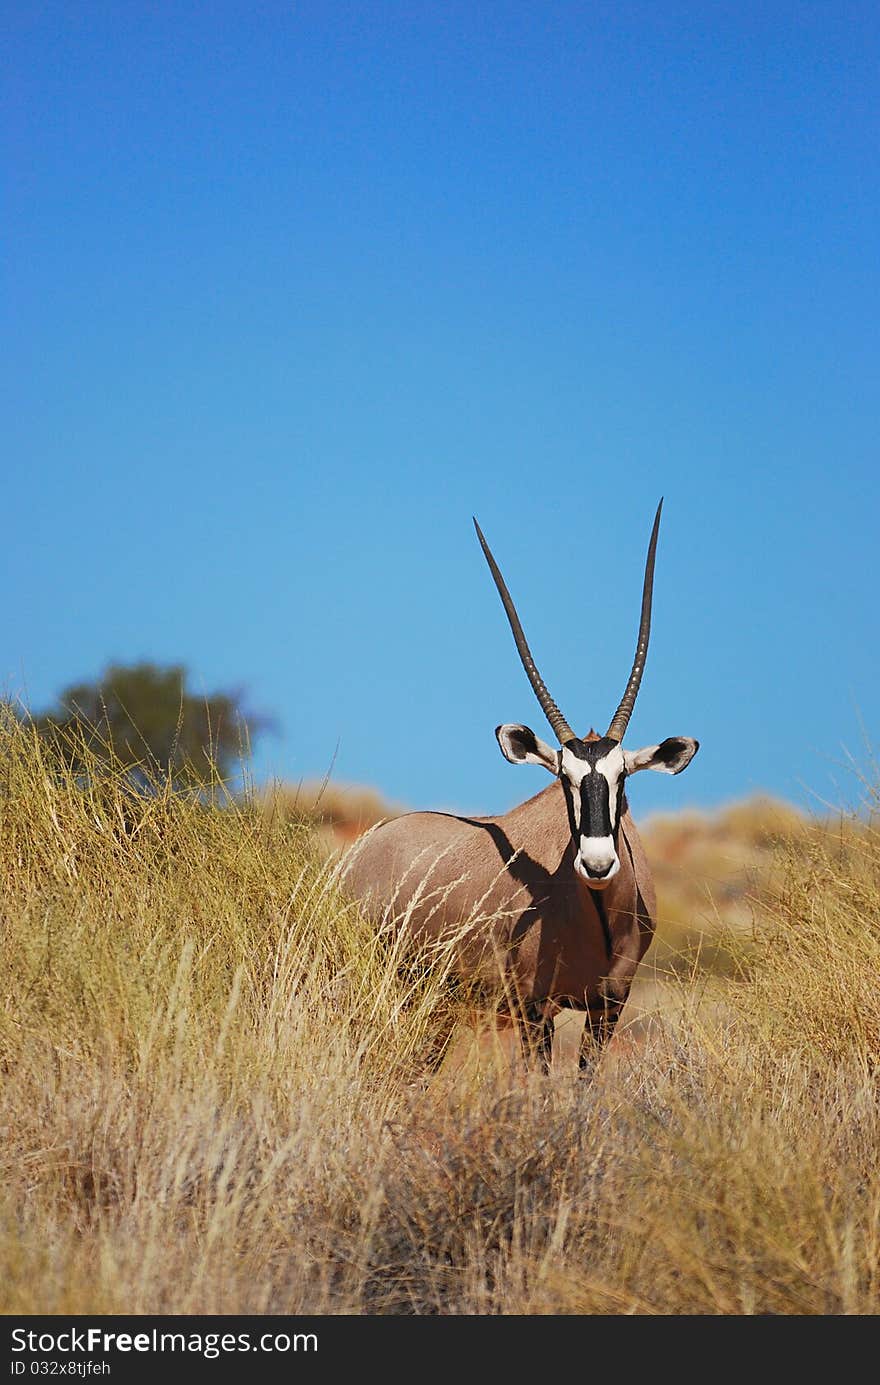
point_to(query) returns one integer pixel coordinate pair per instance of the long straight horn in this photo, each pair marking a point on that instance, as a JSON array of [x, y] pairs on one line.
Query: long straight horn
[[560, 726], [620, 721]]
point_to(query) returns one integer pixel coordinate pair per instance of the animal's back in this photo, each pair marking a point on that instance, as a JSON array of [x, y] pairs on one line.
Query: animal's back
[[503, 888], [412, 867]]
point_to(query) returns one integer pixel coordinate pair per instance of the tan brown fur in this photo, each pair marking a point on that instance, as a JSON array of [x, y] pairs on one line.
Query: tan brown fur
[[506, 889]]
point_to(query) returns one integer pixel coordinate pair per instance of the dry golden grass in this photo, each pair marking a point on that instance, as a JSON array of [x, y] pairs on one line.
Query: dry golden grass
[[210, 1101], [710, 868], [337, 813]]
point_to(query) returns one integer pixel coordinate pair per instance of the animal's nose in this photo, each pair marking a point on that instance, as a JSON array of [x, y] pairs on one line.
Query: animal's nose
[[602, 872], [598, 866]]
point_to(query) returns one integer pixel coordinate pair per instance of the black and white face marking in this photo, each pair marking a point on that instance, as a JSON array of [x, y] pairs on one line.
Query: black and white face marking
[[592, 774]]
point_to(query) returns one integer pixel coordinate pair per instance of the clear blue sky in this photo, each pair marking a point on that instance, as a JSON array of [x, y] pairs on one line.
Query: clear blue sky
[[292, 290]]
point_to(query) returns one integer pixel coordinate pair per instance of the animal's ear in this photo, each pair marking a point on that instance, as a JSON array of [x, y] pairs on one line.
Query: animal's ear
[[670, 756], [521, 746]]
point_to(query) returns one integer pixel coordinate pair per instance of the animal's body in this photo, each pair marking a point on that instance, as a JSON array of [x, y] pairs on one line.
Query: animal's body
[[523, 916], [553, 900]]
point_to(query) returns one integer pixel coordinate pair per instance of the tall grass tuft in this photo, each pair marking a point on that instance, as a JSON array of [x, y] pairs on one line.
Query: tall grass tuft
[[213, 1096]]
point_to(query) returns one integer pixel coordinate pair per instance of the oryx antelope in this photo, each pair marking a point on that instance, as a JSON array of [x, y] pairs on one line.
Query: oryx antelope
[[557, 892]]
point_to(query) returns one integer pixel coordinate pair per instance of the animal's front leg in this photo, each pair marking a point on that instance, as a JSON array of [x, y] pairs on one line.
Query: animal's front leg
[[599, 1026], [536, 1028]]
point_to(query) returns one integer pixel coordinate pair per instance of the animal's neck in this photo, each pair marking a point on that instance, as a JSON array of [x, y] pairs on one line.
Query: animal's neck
[[542, 822]]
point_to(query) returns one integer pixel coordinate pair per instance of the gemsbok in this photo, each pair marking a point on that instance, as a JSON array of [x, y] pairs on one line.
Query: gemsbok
[[552, 903]]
